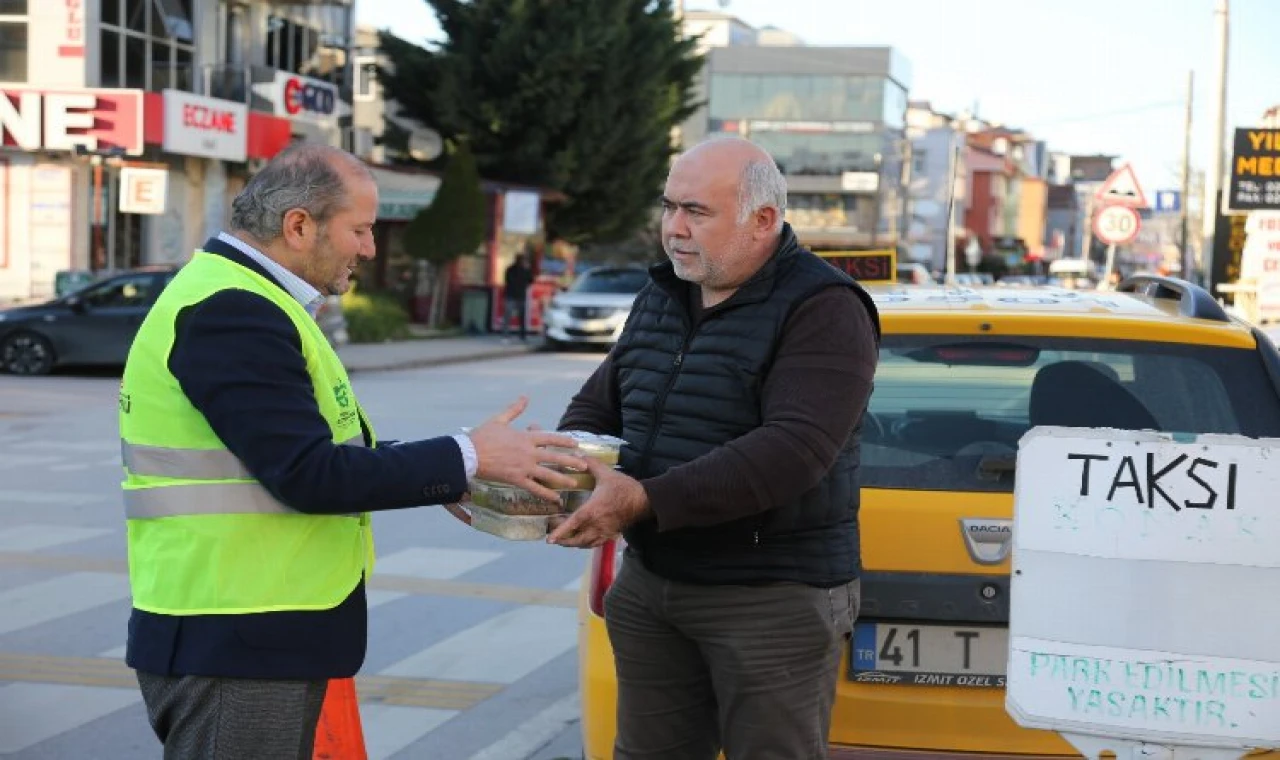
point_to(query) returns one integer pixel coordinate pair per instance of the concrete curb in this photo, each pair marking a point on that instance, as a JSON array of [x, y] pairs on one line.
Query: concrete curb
[[439, 361]]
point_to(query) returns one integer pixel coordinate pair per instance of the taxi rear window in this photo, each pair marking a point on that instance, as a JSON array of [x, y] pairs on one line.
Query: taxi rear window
[[947, 411]]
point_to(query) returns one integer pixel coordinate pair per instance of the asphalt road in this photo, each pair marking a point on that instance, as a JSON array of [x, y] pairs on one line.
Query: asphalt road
[[472, 650]]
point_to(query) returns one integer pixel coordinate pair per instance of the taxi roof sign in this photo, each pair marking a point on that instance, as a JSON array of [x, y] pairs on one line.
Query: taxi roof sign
[[1122, 188]]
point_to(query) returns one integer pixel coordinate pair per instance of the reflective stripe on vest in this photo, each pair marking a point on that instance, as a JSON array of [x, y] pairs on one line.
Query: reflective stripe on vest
[[202, 499], [191, 464]]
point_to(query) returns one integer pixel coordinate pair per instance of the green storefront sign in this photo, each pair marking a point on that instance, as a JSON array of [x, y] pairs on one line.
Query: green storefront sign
[[401, 206]]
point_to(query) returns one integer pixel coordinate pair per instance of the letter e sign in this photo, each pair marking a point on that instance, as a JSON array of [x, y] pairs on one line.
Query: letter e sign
[[142, 191]]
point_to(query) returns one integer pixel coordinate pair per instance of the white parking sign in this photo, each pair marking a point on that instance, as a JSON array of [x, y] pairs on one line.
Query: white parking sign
[[1142, 607]]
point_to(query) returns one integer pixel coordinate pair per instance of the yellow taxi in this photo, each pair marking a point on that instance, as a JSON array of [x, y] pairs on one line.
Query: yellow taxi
[[963, 374]]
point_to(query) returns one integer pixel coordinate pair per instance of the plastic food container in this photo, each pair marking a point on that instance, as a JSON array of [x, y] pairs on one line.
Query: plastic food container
[[605, 448], [510, 527], [509, 500], [582, 481]]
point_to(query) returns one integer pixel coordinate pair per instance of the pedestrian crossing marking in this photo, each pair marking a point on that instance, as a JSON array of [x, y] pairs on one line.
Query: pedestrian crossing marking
[[33, 712], [27, 461], [494, 592], [67, 467], [101, 672], [434, 563], [12, 497], [526, 738], [388, 729], [41, 602], [35, 536], [81, 447], [377, 598], [115, 653], [502, 649]]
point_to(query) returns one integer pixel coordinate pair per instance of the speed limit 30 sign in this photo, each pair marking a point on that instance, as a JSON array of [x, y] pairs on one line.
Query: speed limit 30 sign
[[1116, 225]]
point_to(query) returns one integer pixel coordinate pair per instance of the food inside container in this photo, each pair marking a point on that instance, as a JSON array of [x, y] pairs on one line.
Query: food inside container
[[509, 500], [510, 527], [604, 448], [582, 481]]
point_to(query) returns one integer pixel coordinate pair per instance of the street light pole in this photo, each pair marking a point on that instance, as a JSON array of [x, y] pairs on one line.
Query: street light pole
[[951, 207], [98, 259], [1213, 178], [1184, 241]]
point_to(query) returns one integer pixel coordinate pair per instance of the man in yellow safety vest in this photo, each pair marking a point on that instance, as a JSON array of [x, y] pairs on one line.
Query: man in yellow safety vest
[[250, 470]]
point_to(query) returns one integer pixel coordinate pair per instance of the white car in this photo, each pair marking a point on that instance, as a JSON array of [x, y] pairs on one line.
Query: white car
[[592, 310]]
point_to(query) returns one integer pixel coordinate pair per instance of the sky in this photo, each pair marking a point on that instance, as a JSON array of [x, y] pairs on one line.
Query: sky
[[1086, 76]]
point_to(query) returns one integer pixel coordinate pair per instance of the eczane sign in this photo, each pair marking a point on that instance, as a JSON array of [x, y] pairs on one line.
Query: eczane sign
[[198, 126], [1142, 607]]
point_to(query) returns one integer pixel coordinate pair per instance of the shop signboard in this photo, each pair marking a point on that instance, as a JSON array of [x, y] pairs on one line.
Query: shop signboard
[[36, 119], [195, 125]]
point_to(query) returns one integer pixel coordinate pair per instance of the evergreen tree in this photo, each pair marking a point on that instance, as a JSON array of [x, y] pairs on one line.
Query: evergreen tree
[[454, 223], [452, 226], [576, 95]]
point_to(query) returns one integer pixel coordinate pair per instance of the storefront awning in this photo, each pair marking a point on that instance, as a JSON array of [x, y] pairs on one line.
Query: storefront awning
[[402, 194]]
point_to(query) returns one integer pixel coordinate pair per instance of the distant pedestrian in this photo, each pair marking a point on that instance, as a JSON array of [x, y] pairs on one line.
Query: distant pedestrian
[[251, 469], [515, 292]]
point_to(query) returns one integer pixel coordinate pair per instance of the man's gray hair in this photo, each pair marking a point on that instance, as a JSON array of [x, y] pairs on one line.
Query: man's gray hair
[[306, 176], [761, 185]]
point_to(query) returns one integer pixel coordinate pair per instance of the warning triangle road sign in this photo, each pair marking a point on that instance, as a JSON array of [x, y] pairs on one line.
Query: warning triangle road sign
[[1122, 188]]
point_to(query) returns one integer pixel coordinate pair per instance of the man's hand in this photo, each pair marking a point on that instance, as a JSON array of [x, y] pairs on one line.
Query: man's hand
[[511, 456], [616, 502]]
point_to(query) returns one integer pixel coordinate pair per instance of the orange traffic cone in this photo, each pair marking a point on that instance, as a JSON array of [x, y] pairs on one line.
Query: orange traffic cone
[[338, 734]]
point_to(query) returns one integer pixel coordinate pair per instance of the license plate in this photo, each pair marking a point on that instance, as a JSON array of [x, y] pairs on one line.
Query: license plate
[[593, 325], [929, 655]]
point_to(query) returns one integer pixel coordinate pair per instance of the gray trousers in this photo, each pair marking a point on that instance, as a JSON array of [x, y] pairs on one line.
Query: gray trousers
[[201, 718], [750, 670]]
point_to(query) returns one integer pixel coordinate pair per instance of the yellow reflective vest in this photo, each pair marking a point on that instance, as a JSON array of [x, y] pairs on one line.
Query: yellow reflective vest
[[204, 536]]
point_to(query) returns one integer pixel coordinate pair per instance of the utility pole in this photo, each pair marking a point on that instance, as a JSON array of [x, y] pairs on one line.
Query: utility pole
[[951, 206], [1184, 241], [1213, 179]]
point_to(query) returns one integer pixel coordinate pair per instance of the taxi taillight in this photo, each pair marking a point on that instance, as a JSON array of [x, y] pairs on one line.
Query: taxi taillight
[[605, 560]]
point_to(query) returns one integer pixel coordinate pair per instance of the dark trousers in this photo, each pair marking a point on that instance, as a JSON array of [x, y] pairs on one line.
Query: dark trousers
[[748, 669], [199, 718], [514, 308]]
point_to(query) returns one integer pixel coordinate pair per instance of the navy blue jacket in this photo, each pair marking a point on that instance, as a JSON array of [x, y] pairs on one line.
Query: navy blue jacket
[[239, 361]]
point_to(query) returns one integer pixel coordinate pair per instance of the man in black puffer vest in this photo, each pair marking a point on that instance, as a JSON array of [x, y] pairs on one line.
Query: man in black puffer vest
[[739, 384]]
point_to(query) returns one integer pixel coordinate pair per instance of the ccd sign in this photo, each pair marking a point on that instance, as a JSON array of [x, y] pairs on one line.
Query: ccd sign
[[312, 97]]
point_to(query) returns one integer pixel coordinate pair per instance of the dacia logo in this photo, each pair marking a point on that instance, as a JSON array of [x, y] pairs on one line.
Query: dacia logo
[[342, 394], [988, 540]]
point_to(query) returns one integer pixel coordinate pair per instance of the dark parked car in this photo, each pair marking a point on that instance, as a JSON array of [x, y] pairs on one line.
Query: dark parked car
[[93, 325]]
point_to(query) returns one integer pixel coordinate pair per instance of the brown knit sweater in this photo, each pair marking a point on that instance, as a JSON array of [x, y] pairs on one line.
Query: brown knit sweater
[[813, 397]]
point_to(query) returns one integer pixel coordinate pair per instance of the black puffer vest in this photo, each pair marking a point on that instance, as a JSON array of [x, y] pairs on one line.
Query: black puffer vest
[[686, 391]]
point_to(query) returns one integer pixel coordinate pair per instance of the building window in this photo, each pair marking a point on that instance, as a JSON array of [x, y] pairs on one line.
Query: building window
[[13, 7], [366, 78], [291, 46], [109, 65], [830, 211], [828, 153], [895, 105], [804, 97], [13, 51], [147, 44]]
